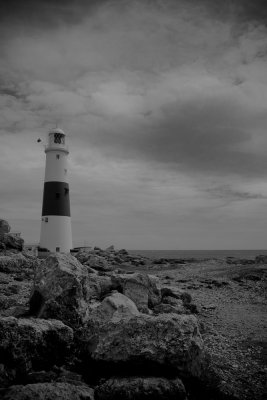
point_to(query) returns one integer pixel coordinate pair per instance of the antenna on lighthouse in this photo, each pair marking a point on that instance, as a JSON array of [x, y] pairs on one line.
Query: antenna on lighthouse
[[56, 233]]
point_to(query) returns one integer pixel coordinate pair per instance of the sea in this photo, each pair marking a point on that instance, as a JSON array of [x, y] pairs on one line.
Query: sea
[[198, 254]]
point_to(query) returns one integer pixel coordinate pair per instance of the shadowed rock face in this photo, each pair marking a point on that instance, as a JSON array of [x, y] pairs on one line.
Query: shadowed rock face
[[9, 241], [135, 388], [4, 226], [63, 289], [27, 344], [49, 391]]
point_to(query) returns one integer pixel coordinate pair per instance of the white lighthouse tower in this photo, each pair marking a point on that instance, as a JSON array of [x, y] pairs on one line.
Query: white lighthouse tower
[[56, 222]]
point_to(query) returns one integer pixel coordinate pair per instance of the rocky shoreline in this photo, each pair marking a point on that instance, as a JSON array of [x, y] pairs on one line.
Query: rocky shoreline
[[104, 324]]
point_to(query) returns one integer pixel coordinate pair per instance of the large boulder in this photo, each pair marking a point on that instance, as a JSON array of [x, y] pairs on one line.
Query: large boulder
[[63, 289], [116, 306], [29, 344], [4, 226], [163, 342], [49, 391], [136, 388], [139, 287]]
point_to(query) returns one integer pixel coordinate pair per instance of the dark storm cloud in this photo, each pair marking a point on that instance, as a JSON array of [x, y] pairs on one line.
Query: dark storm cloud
[[198, 137], [71, 11], [186, 130]]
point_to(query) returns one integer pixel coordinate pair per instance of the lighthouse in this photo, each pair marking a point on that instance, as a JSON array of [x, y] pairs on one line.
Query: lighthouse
[[56, 222]]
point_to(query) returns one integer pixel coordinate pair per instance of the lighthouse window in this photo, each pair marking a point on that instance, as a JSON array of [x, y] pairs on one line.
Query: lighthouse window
[[46, 219], [66, 191], [58, 156], [57, 195], [59, 138]]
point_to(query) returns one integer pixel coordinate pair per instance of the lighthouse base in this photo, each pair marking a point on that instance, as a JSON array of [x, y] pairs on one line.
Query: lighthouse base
[[56, 233]]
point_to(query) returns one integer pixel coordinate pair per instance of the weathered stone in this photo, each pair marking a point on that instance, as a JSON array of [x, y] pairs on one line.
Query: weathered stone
[[172, 300], [13, 264], [55, 374], [140, 288], [165, 341], [49, 391], [261, 259], [168, 308], [115, 307], [27, 344], [9, 241], [98, 263], [18, 263], [136, 388], [63, 289], [4, 226], [172, 291]]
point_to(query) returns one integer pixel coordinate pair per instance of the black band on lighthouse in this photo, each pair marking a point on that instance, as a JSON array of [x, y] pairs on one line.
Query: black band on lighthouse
[[56, 199]]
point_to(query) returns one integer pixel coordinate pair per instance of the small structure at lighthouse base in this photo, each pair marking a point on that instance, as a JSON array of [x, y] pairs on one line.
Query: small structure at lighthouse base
[[56, 233]]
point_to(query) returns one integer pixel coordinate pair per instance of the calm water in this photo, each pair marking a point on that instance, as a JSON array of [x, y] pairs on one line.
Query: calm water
[[199, 254]]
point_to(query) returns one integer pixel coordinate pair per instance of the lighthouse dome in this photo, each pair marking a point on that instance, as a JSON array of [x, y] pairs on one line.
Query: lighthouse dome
[[56, 140], [56, 130]]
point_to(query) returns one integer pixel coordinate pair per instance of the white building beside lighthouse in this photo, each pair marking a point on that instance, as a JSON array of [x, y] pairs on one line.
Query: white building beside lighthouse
[[56, 222]]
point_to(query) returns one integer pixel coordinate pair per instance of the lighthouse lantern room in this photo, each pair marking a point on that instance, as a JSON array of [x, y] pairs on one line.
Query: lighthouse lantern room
[[56, 222]]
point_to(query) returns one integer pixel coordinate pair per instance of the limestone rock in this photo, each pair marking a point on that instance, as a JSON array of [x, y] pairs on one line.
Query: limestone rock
[[9, 241], [63, 289], [261, 259], [49, 391], [18, 263], [4, 226], [140, 288], [169, 308], [172, 291], [117, 305], [165, 341], [98, 263], [135, 388], [33, 343]]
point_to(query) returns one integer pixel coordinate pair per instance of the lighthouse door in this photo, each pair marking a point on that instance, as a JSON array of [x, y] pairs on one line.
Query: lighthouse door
[[57, 249]]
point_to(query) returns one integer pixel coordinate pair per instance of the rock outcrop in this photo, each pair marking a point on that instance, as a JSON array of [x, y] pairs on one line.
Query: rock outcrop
[[21, 263], [89, 318], [110, 259], [63, 289], [28, 344], [9, 241], [136, 388], [16, 276], [4, 226], [49, 391]]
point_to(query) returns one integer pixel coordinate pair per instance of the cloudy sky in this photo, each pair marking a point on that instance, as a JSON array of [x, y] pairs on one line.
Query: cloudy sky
[[165, 105]]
